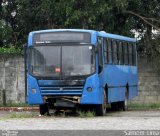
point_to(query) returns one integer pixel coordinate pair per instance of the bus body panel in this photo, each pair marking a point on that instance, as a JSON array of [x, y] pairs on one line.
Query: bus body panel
[[95, 96], [117, 77], [116, 94], [34, 97]]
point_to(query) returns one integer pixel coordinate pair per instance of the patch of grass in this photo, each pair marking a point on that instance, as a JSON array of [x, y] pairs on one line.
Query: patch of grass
[[16, 105], [21, 115], [136, 106], [18, 116], [84, 114]]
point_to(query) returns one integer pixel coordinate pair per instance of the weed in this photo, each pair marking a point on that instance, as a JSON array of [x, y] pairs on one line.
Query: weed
[[136, 106], [21, 115], [17, 105], [84, 114], [14, 105]]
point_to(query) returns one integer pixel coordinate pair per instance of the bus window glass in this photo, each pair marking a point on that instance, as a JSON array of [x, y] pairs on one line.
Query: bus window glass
[[134, 54], [125, 47], [121, 62], [105, 50], [115, 61], [130, 53], [42, 62], [77, 60], [57, 37], [100, 61], [118, 55], [110, 51]]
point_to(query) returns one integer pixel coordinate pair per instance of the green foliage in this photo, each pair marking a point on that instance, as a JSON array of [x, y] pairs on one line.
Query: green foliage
[[84, 114], [15, 105], [135, 106], [22, 115], [19, 17], [11, 50]]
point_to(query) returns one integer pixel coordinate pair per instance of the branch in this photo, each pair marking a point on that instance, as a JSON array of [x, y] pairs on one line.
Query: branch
[[143, 18], [153, 19]]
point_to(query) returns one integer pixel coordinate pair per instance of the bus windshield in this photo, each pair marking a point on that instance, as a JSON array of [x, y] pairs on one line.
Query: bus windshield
[[64, 61]]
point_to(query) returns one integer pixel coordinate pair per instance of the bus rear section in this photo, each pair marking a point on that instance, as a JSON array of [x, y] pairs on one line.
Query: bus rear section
[[118, 74]]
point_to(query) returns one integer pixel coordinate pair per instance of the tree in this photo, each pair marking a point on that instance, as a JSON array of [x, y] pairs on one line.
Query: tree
[[118, 16], [145, 15]]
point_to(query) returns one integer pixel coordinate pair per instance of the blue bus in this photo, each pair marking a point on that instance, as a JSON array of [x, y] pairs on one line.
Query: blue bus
[[77, 67]]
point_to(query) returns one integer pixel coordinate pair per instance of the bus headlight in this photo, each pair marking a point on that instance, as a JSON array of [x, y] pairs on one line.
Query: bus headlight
[[89, 89], [34, 91]]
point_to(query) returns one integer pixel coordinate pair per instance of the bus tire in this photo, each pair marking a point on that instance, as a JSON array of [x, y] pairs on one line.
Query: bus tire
[[43, 109], [125, 102], [101, 108]]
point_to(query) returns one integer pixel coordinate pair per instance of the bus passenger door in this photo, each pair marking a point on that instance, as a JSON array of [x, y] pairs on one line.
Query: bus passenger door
[[100, 68], [100, 61]]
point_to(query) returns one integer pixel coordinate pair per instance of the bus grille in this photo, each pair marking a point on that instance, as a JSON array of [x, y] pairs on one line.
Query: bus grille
[[61, 90]]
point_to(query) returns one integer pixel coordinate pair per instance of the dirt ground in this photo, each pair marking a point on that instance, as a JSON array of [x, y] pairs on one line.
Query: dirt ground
[[114, 120]]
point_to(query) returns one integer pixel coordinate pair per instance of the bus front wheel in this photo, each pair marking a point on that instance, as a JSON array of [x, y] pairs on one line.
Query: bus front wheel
[[125, 102], [43, 109], [101, 108]]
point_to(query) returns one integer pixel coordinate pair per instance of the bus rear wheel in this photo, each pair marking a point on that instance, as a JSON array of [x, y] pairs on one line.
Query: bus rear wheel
[[125, 102], [101, 108]]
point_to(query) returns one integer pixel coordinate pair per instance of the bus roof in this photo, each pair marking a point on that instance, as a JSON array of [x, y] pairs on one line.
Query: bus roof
[[117, 37], [101, 34], [63, 30]]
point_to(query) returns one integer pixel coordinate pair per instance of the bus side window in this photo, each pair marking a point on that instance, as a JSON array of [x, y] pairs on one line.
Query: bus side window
[[130, 54], [109, 51], [123, 53], [105, 50], [125, 47], [114, 46], [134, 54], [118, 55], [120, 51]]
